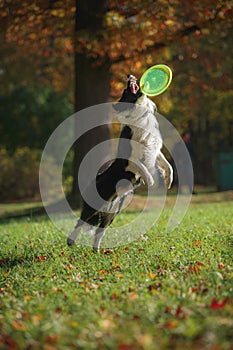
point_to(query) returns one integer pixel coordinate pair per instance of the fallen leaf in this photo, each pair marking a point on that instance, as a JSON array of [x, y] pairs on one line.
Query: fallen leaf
[[11, 344], [151, 274], [179, 312], [73, 324], [51, 339], [169, 324], [133, 296], [58, 310], [57, 290], [195, 267], [136, 317], [168, 309], [40, 258], [154, 287], [24, 315], [18, 325], [197, 243], [215, 304], [36, 319], [106, 324], [221, 266]]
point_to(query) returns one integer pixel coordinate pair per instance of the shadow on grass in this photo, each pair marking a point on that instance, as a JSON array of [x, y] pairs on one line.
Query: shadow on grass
[[7, 263], [31, 210]]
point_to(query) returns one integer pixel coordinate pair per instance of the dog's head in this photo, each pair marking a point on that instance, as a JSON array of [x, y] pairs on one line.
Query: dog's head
[[132, 92], [132, 95], [129, 96]]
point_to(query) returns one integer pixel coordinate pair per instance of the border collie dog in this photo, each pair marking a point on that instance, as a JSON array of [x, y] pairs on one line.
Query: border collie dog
[[138, 158]]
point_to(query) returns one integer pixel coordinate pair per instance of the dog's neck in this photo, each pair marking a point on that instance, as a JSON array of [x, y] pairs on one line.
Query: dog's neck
[[146, 102]]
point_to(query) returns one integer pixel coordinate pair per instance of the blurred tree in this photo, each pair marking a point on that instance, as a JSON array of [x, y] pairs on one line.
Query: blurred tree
[[92, 81]]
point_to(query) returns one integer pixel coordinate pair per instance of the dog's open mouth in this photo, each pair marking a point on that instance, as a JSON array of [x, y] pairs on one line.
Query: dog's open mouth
[[133, 85]]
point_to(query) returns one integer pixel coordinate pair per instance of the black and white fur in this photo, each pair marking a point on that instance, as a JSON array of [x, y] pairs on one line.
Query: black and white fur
[[141, 118], [132, 167]]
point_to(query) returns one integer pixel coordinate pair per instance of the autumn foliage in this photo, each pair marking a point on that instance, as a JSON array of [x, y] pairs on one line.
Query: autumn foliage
[[40, 39]]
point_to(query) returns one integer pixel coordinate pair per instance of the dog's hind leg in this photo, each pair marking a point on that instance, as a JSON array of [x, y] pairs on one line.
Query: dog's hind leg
[[72, 237], [81, 224], [98, 237]]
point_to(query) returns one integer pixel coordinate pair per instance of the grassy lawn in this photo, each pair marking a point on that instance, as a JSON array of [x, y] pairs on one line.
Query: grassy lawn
[[165, 291]]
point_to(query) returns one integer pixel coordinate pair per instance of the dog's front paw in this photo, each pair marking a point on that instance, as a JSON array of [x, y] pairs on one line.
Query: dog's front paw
[[140, 170]]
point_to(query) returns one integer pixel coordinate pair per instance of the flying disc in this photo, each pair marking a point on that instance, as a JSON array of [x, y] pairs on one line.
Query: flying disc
[[156, 80]]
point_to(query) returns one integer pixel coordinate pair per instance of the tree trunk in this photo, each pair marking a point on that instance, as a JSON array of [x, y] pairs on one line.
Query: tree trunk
[[92, 85]]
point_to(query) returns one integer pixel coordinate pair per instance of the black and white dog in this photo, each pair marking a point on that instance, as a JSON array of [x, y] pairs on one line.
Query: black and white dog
[[138, 158]]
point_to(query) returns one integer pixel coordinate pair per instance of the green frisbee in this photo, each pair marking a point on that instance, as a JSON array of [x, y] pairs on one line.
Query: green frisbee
[[156, 80]]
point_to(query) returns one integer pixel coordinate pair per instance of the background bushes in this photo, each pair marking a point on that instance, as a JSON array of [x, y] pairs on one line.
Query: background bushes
[[19, 174]]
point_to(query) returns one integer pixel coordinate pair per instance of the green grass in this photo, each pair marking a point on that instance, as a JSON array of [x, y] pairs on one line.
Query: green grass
[[165, 291]]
